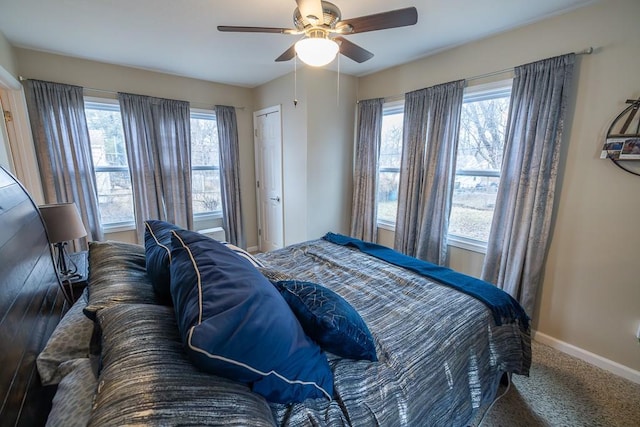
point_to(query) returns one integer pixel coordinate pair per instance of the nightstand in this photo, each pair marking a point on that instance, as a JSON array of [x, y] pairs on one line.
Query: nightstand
[[78, 283]]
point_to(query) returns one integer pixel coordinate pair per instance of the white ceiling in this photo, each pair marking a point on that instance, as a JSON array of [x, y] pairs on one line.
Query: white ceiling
[[180, 36]]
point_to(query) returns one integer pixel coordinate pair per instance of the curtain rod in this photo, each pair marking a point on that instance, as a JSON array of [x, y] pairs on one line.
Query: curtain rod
[[398, 97], [113, 92]]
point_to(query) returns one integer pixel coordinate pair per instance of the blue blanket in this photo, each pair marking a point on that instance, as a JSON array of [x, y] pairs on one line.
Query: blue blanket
[[503, 306]]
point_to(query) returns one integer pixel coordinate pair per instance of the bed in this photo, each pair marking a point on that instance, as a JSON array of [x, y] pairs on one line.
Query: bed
[[436, 352]]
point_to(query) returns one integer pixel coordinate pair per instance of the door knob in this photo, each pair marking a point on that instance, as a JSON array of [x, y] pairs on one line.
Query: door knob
[[277, 198]]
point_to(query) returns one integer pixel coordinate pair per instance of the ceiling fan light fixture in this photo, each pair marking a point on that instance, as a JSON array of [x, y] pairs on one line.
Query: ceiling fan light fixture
[[316, 52]]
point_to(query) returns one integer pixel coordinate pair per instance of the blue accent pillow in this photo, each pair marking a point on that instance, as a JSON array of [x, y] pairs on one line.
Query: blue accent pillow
[[235, 324], [329, 319], [157, 249]]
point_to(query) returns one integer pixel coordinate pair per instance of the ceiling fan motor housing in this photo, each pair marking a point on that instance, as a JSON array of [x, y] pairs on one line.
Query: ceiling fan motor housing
[[331, 16]]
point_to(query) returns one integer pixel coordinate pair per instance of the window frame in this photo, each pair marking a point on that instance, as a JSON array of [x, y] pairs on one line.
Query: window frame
[[479, 92], [199, 113], [389, 108], [109, 104]]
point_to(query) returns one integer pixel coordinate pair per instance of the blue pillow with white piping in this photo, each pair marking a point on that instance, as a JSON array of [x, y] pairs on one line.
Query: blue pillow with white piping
[[157, 250], [235, 324]]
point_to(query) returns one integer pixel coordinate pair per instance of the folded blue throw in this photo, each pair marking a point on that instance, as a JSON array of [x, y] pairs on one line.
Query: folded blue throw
[[503, 306]]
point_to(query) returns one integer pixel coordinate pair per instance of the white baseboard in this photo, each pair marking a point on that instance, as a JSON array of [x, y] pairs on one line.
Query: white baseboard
[[587, 356], [252, 249]]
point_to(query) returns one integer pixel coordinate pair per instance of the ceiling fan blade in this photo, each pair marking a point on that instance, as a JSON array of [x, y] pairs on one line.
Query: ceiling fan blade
[[232, 29], [311, 10], [381, 21], [287, 54], [353, 51]]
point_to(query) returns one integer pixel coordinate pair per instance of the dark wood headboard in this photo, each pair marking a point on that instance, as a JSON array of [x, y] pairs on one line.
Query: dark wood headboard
[[31, 305]]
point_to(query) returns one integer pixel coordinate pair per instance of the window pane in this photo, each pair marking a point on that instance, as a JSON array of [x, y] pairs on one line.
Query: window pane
[[388, 196], [204, 141], [389, 164], [115, 199], [474, 198], [108, 151], [206, 191], [391, 142], [205, 164], [478, 163]]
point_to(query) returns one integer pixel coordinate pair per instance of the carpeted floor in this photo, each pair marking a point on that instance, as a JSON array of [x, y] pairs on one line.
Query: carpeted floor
[[565, 391]]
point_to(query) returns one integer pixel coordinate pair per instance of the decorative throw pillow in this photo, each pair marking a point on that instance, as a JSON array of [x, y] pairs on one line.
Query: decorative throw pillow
[[329, 319], [235, 324], [117, 275], [147, 378], [157, 247], [70, 340], [71, 406]]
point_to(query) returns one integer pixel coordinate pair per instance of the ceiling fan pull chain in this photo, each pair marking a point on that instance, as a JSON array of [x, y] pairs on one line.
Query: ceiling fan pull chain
[[295, 81], [338, 85]]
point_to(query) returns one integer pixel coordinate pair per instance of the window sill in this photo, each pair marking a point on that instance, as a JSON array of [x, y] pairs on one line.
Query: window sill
[[389, 226], [118, 228], [206, 216], [455, 241], [467, 244]]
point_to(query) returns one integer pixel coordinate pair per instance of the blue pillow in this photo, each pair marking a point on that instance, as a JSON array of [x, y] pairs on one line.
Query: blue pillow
[[235, 324], [241, 252], [329, 319], [157, 248]]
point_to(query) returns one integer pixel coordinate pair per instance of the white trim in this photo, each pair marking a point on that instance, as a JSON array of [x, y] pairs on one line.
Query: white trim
[[118, 227], [21, 144], [592, 358], [252, 249], [8, 81], [466, 243], [386, 225]]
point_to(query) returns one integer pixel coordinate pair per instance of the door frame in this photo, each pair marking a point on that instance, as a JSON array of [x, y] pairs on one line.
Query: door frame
[[258, 168]]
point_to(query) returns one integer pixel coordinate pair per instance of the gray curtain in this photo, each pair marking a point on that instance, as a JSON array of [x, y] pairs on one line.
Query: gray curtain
[[63, 149], [365, 177], [427, 171], [158, 137], [519, 233], [230, 175]]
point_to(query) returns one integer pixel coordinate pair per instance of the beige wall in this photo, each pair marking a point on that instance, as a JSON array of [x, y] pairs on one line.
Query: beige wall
[[104, 80], [317, 136], [7, 57], [590, 296]]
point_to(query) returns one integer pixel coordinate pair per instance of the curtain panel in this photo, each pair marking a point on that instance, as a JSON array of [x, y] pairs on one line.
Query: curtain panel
[[365, 176], [427, 171], [519, 236], [63, 149], [157, 133], [230, 175]]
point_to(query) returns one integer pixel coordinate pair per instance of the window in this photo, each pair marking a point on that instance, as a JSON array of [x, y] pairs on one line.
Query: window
[[389, 162], [205, 164], [108, 150], [478, 162]]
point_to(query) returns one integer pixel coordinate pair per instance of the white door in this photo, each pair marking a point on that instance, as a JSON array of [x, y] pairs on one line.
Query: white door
[[267, 131]]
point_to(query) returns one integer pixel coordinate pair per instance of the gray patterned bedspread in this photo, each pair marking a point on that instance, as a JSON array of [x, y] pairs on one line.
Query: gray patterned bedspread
[[441, 355]]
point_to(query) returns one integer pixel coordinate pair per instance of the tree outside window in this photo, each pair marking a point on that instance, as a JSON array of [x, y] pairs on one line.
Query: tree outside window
[[389, 163], [108, 151], [478, 161], [205, 164]]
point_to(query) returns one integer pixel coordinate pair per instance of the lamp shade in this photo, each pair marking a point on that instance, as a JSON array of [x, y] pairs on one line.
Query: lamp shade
[[316, 52], [62, 221]]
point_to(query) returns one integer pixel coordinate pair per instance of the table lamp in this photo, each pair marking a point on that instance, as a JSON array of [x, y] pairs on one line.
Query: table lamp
[[63, 223]]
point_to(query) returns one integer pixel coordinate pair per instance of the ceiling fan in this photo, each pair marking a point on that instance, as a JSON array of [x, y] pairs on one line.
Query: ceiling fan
[[322, 25]]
